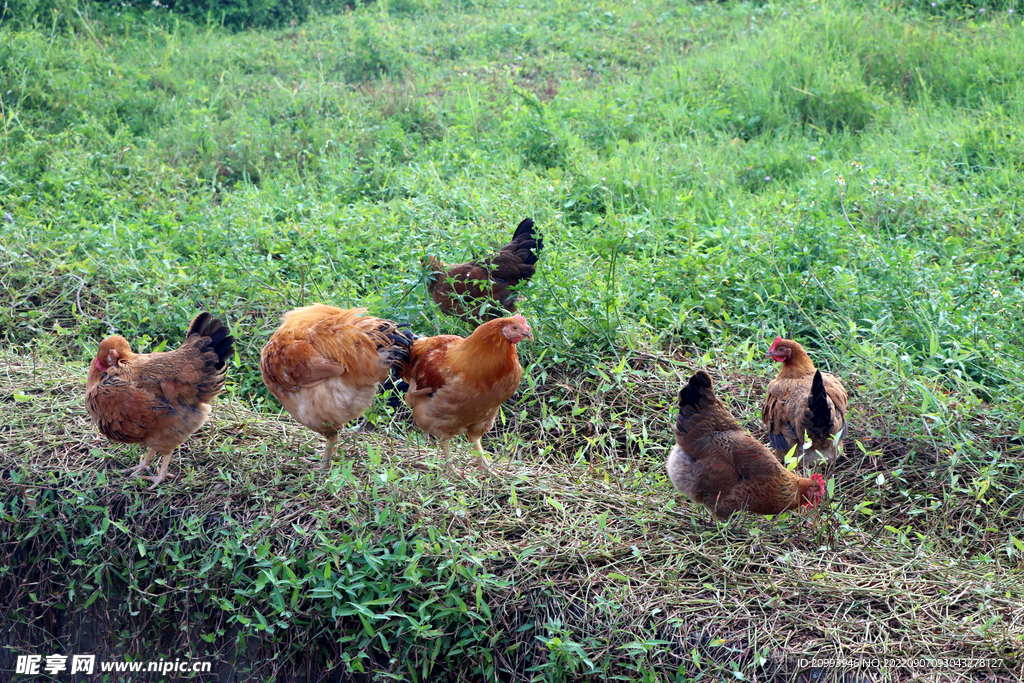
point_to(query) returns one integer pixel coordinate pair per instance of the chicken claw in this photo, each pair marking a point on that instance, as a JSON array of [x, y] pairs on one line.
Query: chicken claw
[[143, 463], [162, 474], [481, 456], [157, 479]]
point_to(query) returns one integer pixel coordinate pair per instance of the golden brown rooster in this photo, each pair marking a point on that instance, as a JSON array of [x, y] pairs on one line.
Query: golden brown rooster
[[323, 364], [457, 385]]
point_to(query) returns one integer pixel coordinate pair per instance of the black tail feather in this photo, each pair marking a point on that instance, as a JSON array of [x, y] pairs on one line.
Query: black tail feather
[[691, 394], [817, 406], [401, 343], [527, 243], [394, 391], [524, 229], [221, 341], [399, 352], [698, 387]]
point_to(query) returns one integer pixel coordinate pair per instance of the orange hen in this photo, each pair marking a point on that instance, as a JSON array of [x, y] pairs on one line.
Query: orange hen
[[479, 290], [323, 364], [803, 400], [457, 385], [718, 465], [158, 399]]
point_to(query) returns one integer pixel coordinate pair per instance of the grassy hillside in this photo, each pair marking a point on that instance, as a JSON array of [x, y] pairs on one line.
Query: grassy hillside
[[706, 177]]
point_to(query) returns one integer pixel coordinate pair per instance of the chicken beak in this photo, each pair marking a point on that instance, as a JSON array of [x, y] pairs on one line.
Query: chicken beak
[[529, 334]]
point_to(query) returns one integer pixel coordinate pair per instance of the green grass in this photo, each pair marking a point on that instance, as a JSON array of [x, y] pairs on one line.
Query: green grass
[[706, 177]]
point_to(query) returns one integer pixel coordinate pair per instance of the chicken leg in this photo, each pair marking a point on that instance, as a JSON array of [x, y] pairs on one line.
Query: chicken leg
[[445, 451], [332, 442]]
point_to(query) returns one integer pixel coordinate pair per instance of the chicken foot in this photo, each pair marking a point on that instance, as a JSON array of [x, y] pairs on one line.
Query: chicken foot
[[481, 455], [143, 463], [162, 474]]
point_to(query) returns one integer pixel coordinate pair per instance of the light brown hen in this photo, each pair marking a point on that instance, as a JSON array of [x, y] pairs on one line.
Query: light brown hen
[[158, 399], [323, 364], [457, 385], [803, 400]]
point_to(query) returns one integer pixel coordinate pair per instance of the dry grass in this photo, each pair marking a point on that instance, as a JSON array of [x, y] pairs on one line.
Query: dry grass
[[603, 561]]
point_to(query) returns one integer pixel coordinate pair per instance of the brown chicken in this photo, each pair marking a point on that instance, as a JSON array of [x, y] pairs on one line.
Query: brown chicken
[[158, 399], [457, 385], [802, 400], [482, 290], [323, 364], [725, 469]]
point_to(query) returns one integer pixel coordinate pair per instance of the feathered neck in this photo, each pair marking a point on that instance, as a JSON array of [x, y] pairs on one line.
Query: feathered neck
[[488, 350], [434, 266], [798, 364], [95, 374], [112, 350], [795, 492], [803, 485], [809, 492]]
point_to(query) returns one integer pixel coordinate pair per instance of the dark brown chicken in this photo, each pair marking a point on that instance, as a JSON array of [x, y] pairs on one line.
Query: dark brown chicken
[[803, 400], [158, 399], [718, 465], [483, 289]]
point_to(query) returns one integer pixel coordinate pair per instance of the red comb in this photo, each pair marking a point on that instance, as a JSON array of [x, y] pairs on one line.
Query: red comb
[[820, 481]]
